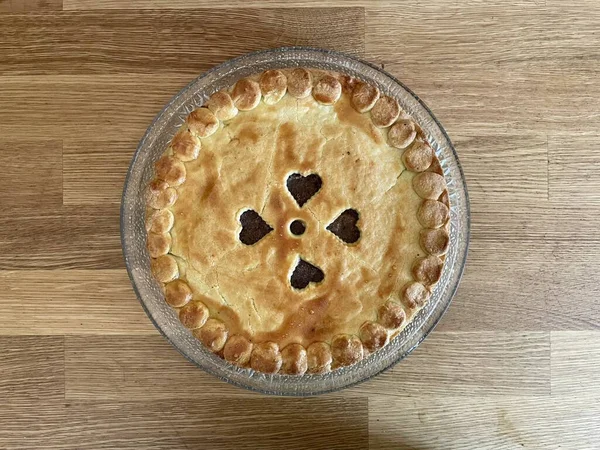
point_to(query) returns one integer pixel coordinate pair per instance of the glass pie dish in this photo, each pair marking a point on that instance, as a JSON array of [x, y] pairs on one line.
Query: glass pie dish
[[157, 138]]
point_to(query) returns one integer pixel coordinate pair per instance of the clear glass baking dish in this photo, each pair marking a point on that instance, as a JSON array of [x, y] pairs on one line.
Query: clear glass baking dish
[[155, 141]]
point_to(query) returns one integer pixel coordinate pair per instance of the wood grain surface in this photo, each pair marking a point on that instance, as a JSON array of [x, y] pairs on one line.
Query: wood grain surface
[[515, 362]]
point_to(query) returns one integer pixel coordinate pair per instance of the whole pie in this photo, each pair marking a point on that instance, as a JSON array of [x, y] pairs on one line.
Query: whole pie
[[297, 221]]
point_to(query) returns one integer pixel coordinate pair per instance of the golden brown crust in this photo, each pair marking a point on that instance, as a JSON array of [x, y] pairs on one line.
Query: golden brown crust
[[346, 350], [238, 350], [158, 244], [327, 90], [160, 221], [373, 336], [428, 270], [434, 241], [185, 145], [177, 293], [294, 360], [266, 358], [273, 85], [391, 315], [194, 315], [160, 195], [415, 295], [361, 171], [202, 122], [319, 357], [299, 83], [221, 105], [385, 112], [433, 214], [246, 94], [164, 268], [402, 134], [418, 157], [364, 97], [213, 335], [429, 185]]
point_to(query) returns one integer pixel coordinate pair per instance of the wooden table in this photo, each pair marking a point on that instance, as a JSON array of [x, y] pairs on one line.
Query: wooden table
[[515, 363]]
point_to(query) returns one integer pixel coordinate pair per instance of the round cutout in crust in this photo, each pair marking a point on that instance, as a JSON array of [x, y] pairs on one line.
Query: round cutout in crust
[[244, 146]]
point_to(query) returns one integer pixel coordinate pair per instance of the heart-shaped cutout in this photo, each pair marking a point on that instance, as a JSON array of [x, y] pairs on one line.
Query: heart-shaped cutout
[[345, 226], [302, 188], [304, 274], [254, 228]]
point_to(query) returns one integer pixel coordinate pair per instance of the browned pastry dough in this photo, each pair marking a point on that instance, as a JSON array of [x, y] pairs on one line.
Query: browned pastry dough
[[366, 194], [273, 85], [319, 357], [429, 185], [158, 244], [346, 350], [434, 241], [202, 122], [164, 268], [246, 94], [294, 360], [160, 195], [299, 83], [364, 97], [221, 105], [428, 270], [432, 214], [385, 112], [186, 146], [178, 294], [415, 295], [160, 221], [213, 335], [418, 157], [402, 134], [238, 350], [327, 90], [194, 315], [266, 358], [391, 315], [373, 336]]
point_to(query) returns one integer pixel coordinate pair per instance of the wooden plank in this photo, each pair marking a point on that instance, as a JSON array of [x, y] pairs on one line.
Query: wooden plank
[[148, 368], [505, 288], [94, 170], [216, 423], [74, 107], [494, 65], [32, 370], [504, 165], [70, 301], [574, 168], [166, 41], [36, 167], [26, 6], [81, 237], [575, 362], [194, 4], [484, 423]]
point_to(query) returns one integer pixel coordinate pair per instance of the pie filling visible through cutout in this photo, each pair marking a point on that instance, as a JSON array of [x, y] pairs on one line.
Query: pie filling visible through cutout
[[297, 221]]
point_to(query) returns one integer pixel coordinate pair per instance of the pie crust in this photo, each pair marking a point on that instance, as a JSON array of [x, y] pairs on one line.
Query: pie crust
[[297, 221]]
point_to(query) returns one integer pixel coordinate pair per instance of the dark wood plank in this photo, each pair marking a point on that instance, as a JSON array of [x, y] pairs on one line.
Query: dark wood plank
[[216, 423], [56, 302], [166, 41], [60, 238], [26, 6], [36, 168], [94, 170], [31, 370], [147, 367]]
